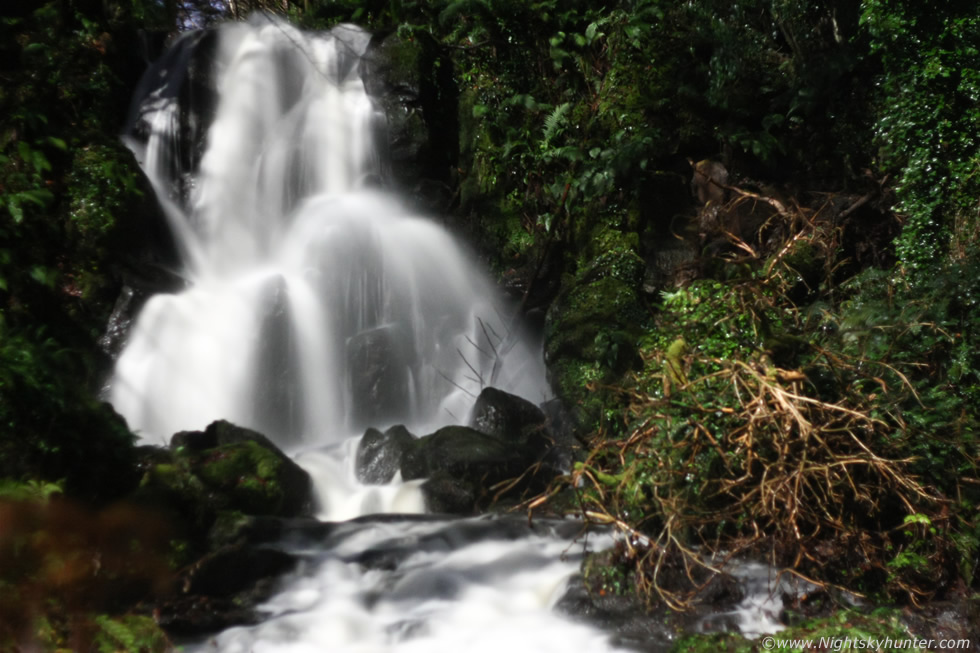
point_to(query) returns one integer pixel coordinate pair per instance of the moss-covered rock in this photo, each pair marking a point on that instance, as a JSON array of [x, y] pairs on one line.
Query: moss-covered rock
[[223, 470], [592, 327]]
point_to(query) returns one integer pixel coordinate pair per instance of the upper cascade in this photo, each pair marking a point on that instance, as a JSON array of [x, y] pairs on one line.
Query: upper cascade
[[315, 305]]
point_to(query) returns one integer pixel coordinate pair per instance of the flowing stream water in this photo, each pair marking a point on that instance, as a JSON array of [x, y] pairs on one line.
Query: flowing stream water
[[299, 276]]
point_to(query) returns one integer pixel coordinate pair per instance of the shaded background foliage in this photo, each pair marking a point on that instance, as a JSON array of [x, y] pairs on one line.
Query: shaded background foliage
[[561, 136]]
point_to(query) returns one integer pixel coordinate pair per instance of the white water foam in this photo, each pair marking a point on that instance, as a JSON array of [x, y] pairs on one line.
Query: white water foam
[[296, 273], [458, 592], [290, 265]]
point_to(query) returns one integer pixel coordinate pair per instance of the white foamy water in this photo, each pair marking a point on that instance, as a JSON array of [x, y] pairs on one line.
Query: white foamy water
[[304, 286], [434, 587], [303, 289]]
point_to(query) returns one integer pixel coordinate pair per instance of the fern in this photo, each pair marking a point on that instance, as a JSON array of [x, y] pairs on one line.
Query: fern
[[130, 634], [555, 121]]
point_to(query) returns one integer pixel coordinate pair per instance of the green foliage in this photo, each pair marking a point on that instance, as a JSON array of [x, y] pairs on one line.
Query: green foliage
[[839, 630], [64, 182], [928, 123], [133, 634], [50, 421], [33, 490], [101, 183], [863, 434]]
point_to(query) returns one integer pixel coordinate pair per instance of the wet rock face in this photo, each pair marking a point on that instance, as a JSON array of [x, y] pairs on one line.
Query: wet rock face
[[379, 455], [378, 365], [509, 440], [462, 453], [229, 491], [506, 416], [412, 83]]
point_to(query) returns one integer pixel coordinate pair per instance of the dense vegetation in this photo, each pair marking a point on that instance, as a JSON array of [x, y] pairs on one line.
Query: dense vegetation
[[787, 364]]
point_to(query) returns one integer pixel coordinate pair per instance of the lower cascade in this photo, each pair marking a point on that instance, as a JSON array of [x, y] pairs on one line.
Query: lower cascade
[[316, 306]]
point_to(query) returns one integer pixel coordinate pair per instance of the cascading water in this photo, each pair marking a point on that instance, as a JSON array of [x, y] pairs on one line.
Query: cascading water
[[316, 306]]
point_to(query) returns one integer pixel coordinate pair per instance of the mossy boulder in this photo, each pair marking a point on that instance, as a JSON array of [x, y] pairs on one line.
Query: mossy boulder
[[252, 474], [462, 464], [224, 468], [590, 336], [250, 477]]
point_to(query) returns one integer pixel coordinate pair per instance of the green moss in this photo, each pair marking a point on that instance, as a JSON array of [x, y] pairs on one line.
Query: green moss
[[883, 624], [247, 472], [714, 643], [227, 528]]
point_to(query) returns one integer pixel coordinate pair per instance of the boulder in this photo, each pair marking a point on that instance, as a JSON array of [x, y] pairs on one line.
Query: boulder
[[234, 569], [379, 455], [461, 465], [511, 419], [445, 494], [223, 468], [462, 452], [255, 476]]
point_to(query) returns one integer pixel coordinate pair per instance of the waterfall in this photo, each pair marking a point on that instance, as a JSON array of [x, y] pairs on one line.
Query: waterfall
[[315, 304]]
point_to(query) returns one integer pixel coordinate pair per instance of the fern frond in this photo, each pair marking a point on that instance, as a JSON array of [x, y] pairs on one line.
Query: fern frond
[[555, 120]]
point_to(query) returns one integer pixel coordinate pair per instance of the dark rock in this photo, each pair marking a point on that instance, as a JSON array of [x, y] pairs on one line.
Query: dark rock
[[507, 416], [462, 465], [412, 81], [193, 441], [379, 455], [235, 568], [234, 528], [378, 365], [190, 616], [461, 452], [222, 590], [623, 616], [445, 494]]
